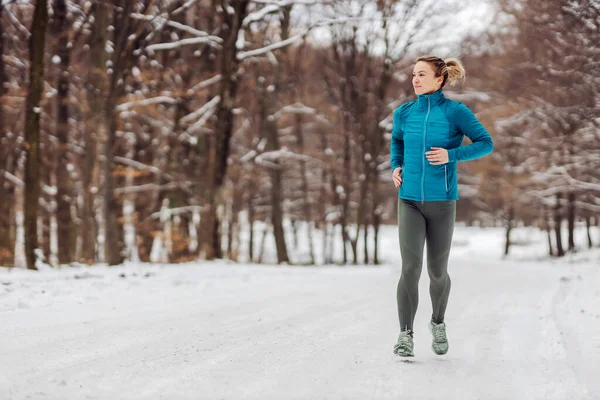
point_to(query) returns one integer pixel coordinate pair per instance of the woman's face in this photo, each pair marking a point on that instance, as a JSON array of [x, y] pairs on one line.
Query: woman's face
[[424, 79]]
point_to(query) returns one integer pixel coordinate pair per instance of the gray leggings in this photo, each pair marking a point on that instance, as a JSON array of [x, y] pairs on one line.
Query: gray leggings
[[431, 222]]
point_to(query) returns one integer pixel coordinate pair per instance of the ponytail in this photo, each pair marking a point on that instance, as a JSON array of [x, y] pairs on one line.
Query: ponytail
[[451, 69]]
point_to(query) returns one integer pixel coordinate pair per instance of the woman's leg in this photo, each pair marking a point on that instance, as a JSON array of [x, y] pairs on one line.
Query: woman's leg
[[440, 218], [411, 232]]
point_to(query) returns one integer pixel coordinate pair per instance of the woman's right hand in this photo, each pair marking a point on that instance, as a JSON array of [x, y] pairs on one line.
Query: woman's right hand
[[396, 177]]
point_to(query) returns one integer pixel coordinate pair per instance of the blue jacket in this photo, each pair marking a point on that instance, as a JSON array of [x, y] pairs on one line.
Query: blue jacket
[[432, 120]]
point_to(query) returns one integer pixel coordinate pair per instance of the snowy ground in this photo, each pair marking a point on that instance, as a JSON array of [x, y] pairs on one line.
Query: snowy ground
[[521, 328]]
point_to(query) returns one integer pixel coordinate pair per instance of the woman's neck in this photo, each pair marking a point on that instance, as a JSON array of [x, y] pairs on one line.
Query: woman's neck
[[433, 91]]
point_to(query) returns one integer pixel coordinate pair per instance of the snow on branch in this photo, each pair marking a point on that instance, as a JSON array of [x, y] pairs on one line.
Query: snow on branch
[[142, 167], [274, 46], [4, 3], [149, 187], [297, 108], [269, 158], [184, 7], [209, 107], [322, 119], [205, 84], [274, 6], [249, 156], [17, 23], [200, 123], [76, 8], [146, 119], [582, 184], [14, 61], [168, 213], [162, 19], [283, 43], [146, 102], [260, 14], [561, 173], [544, 196], [16, 181], [214, 41]]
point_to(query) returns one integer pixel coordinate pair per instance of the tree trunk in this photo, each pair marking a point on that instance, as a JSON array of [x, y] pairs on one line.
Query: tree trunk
[[509, 225], [587, 230], [322, 220], [63, 181], [346, 195], [273, 136], [269, 126], [360, 220], [294, 83], [557, 227], [37, 44], [95, 132], [548, 229], [325, 230], [366, 243], [277, 216], [224, 126], [6, 245], [263, 240], [251, 219], [47, 209], [571, 220], [112, 208], [229, 219], [178, 197], [376, 225], [294, 225]]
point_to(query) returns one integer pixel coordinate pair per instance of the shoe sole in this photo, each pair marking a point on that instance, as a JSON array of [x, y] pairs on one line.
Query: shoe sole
[[403, 353]]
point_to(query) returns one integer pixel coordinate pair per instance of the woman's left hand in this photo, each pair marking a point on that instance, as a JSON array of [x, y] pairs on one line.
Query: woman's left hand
[[437, 156]]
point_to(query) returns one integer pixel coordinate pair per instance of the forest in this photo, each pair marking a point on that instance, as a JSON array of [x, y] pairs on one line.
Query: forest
[[167, 130]]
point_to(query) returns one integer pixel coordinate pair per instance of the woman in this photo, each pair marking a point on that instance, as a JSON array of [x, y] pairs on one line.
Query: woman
[[426, 146]]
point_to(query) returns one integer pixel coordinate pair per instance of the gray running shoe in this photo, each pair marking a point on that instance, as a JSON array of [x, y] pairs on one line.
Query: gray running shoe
[[405, 345], [440, 341]]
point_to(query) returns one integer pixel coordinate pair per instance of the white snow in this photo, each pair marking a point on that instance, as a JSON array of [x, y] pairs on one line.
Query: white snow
[[210, 40], [524, 327]]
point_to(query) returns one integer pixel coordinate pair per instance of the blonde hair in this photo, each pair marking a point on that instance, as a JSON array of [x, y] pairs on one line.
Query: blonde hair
[[451, 69]]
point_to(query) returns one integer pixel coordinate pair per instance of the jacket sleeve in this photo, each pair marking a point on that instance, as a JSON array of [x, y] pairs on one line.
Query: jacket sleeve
[[397, 142], [470, 126]]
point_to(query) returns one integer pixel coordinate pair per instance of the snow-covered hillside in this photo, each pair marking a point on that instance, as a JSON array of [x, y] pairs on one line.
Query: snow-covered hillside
[[522, 328]]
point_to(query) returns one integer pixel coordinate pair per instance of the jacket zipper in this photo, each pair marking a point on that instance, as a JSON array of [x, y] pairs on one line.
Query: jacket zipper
[[423, 154], [446, 177]]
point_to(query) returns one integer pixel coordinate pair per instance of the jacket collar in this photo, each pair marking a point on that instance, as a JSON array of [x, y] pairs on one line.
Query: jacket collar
[[432, 98]]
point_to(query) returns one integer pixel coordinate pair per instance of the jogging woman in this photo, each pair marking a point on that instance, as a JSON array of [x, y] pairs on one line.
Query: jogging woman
[[426, 147]]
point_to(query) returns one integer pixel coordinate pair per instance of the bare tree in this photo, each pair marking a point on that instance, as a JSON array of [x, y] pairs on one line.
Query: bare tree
[[66, 233], [37, 44], [95, 132], [6, 253], [232, 23], [559, 109]]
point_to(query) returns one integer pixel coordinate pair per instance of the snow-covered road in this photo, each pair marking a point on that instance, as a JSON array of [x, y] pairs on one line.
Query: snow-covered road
[[517, 330]]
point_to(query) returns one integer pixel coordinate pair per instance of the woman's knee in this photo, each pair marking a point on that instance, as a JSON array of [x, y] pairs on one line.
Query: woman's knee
[[411, 271], [438, 274]]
